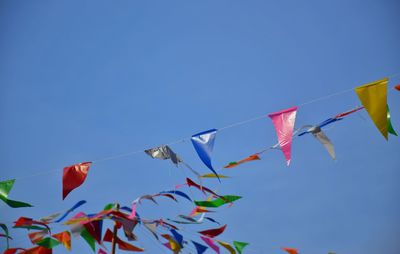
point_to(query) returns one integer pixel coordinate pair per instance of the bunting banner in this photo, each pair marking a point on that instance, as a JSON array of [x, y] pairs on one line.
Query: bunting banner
[[390, 126], [203, 143], [284, 123], [74, 176], [239, 246], [373, 97], [237, 163], [5, 188], [199, 247]]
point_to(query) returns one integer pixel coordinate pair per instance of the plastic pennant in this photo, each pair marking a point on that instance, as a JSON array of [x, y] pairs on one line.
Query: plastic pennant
[[227, 246], [210, 242], [373, 97], [213, 176], [397, 87], [5, 229], [218, 202], [203, 143], [390, 126], [237, 163], [213, 232], [64, 238], [290, 250], [37, 250], [48, 243], [240, 246], [89, 239], [199, 247], [284, 123], [178, 237], [5, 188], [74, 176], [163, 152]]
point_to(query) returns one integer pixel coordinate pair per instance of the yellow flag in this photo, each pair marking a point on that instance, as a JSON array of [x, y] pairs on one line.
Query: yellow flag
[[373, 97], [227, 246]]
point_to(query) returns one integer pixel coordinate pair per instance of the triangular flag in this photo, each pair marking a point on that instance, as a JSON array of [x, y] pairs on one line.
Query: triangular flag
[[373, 97], [390, 126], [74, 176], [5, 229], [48, 243], [199, 247], [89, 239], [164, 153], [213, 232], [227, 246], [203, 143], [397, 87], [64, 238], [284, 124], [236, 163], [290, 250], [210, 242], [37, 250], [240, 246], [5, 188]]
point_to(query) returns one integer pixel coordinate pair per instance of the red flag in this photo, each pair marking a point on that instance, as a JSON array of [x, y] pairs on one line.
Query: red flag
[[290, 250], [74, 176], [101, 251], [12, 250], [121, 244], [38, 250], [213, 232], [397, 87], [202, 188], [94, 229], [236, 163]]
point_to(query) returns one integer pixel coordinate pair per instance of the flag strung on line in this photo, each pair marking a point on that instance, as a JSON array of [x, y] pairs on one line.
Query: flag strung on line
[[5, 188], [203, 143], [74, 176], [284, 123], [373, 97]]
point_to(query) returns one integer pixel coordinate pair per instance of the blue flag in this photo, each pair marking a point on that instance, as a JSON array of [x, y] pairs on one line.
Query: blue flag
[[203, 142], [178, 237], [199, 247]]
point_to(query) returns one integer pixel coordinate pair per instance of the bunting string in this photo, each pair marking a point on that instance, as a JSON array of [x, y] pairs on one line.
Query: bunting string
[[135, 152]]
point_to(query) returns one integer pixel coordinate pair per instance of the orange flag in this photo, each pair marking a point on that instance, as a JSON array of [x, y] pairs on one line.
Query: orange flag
[[290, 250], [37, 250], [64, 238], [236, 163]]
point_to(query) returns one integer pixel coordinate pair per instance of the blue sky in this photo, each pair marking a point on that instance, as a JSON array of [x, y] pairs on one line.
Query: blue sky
[[85, 80]]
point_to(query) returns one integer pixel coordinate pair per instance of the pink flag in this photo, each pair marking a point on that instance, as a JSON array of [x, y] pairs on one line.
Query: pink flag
[[284, 124], [210, 242]]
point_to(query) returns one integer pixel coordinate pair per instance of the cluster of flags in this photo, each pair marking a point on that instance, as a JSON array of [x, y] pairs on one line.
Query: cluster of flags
[[373, 97]]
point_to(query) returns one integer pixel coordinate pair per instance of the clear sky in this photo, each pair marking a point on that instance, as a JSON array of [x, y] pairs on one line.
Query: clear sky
[[85, 80]]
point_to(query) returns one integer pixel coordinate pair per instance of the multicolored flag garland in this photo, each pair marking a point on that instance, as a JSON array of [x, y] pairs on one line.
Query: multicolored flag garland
[[203, 143], [373, 97], [284, 123], [5, 188], [74, 176]]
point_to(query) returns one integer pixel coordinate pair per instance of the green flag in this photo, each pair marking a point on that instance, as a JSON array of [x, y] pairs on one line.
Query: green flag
[[89, 239], [48, 243], [5, 188], [240, 246], [218, 202], [390, 126]]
